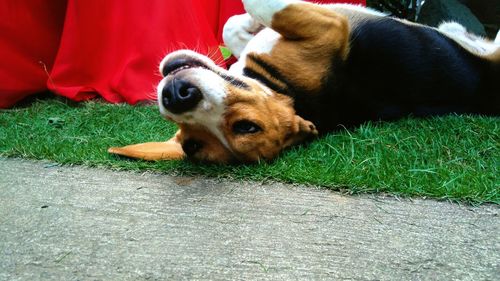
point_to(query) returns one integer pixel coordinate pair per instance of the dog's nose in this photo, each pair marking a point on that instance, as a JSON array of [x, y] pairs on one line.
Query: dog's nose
[[179, 96]]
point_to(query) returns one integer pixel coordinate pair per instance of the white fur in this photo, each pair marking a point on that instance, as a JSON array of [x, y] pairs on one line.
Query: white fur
[[264, 10], [497, 40], [471, 42], [238, 31], [262, 43], [356, 8]]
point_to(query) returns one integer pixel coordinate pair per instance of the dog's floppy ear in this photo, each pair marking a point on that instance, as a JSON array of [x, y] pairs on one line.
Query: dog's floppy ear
[[300, 130], [152, 151]]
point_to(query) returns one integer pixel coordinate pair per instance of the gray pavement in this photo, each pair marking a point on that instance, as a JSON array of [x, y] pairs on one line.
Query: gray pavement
[[76, 223]]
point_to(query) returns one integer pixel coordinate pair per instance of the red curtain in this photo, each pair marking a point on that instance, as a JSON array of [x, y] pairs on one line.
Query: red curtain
[[85, 49]]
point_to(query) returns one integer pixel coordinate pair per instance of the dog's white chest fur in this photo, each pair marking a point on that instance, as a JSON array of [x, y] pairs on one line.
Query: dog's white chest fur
[[262, 43]]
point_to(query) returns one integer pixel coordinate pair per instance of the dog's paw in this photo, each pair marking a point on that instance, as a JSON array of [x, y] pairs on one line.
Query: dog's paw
[[238, 31], [264, 10]]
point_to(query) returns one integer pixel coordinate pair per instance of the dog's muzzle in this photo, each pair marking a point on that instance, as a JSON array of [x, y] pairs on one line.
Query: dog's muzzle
[[179, 96]]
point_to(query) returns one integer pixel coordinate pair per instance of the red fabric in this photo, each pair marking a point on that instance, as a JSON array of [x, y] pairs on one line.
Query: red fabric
[[83, 49], [29, 39]]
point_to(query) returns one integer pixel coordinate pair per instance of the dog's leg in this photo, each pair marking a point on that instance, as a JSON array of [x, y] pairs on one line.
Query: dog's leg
[[298, 20], [310, 25], [238, 31], [313, 36]]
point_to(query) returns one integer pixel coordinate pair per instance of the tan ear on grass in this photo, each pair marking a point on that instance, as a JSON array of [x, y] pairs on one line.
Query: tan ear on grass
[[152, 151]]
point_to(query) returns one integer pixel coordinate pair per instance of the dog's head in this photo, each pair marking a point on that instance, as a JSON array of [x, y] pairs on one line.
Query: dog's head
[[224, 117]]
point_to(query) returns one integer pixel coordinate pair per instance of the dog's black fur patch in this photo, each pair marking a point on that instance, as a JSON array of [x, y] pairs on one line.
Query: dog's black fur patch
[[396, 70]]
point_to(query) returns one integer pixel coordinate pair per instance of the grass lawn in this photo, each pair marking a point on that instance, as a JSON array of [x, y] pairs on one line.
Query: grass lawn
[[455, 157]]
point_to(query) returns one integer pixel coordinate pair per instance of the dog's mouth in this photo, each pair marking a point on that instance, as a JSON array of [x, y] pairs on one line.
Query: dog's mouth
[[179, 64]]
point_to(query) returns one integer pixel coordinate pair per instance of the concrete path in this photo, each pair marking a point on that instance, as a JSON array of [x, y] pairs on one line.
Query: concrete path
[[75, 223]]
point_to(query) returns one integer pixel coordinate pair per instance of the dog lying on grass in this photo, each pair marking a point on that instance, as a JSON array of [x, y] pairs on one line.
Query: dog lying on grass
[[305, 69]]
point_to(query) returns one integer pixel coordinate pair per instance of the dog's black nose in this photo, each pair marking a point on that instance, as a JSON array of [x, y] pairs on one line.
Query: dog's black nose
[[179, 96]]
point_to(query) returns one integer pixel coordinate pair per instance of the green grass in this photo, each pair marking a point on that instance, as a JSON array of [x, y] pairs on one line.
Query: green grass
[[455, 157]]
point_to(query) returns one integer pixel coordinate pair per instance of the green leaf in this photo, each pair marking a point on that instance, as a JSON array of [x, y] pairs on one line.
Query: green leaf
[[226, 53]]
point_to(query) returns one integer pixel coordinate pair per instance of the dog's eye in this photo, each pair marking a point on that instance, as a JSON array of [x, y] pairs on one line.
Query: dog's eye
[[191, 146], [245, 127]]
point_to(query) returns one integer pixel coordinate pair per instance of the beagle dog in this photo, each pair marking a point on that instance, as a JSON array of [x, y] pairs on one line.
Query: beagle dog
[[304, 69]]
